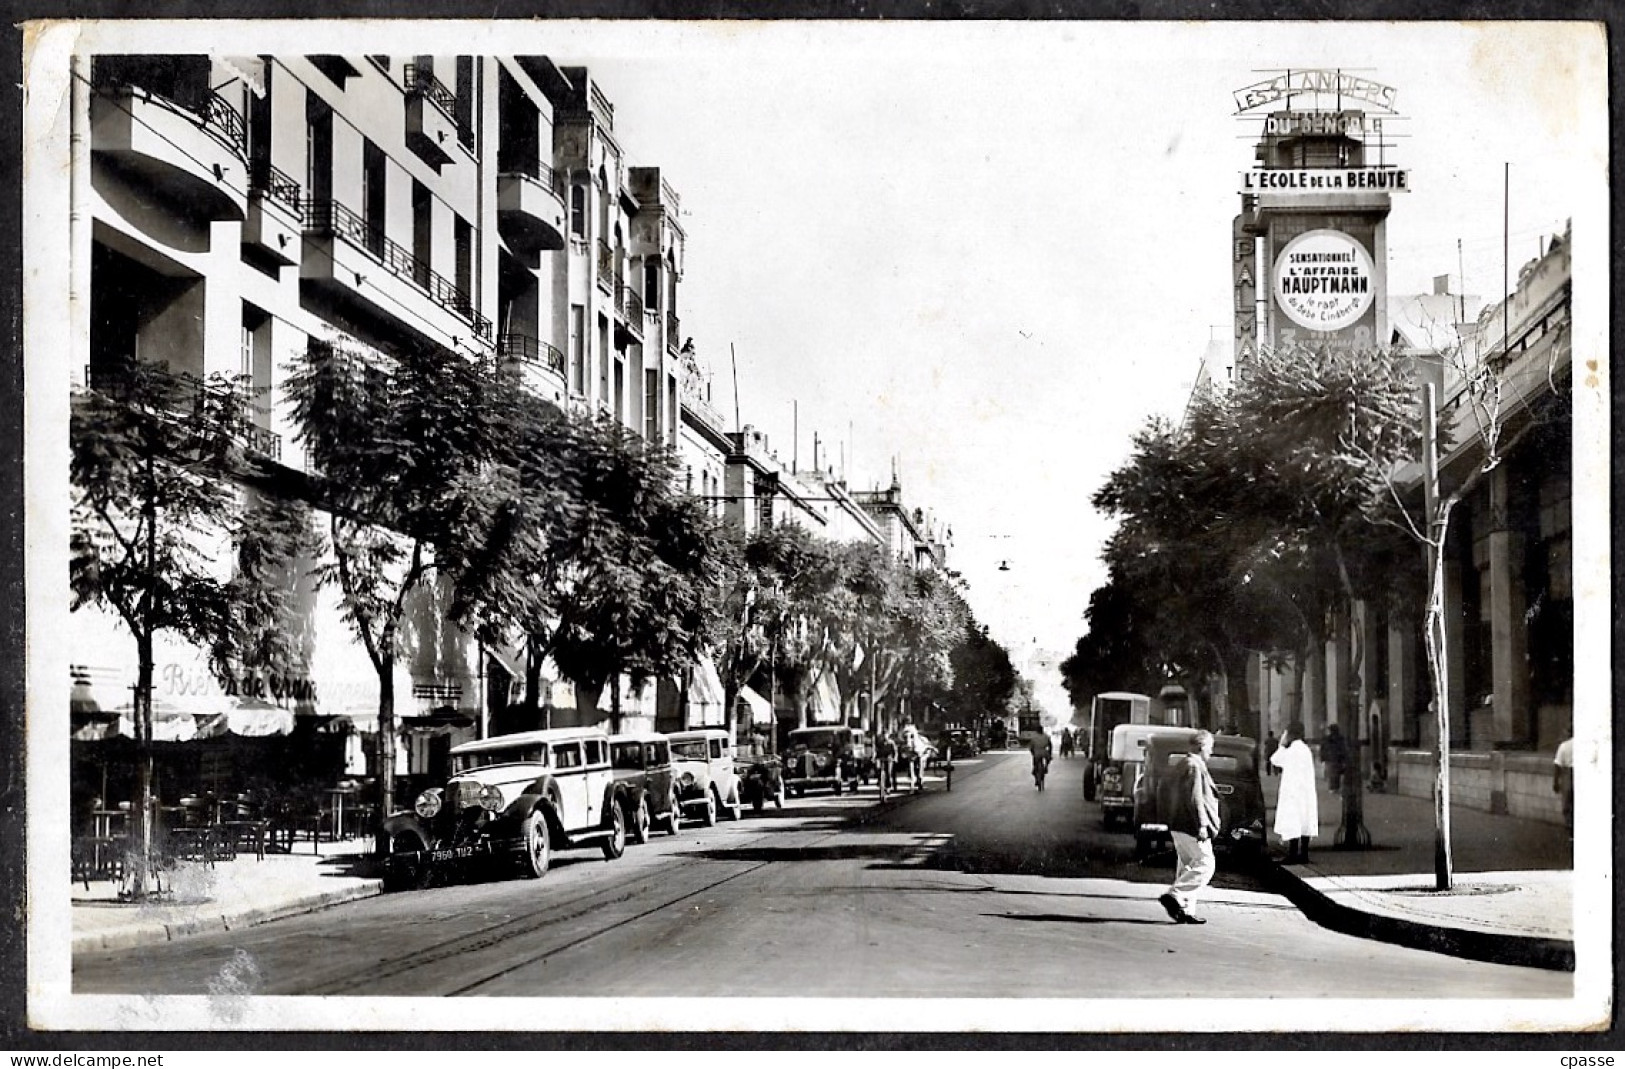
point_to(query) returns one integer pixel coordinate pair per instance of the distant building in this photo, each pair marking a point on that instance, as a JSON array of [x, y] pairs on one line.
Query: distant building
[[913, 536]]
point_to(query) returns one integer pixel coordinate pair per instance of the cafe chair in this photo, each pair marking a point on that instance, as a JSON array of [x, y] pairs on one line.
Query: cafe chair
[[295, 817], [245, 826]]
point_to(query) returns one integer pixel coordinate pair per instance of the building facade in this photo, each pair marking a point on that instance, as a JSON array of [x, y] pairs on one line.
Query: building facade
[[230, 211]]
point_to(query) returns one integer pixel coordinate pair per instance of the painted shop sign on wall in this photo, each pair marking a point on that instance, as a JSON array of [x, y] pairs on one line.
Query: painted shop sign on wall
[[1324, 280]]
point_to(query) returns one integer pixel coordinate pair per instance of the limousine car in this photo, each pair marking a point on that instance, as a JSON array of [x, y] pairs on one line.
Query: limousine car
[[511, 800]]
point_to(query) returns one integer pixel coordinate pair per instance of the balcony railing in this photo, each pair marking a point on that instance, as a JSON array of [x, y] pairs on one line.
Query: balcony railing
[[601, 102], [330, 216], [277, 186], [673, 328], [206, 108], [423, 83], [524, 348], [532, 167], [606, 262], [634, 308], [223, 121], [189, 395]]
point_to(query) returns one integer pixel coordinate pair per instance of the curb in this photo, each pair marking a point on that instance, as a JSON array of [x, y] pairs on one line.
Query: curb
[[148, 933], [1538, 952]]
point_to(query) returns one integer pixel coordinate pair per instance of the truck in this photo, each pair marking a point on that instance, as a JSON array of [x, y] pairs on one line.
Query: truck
[[1171, 707], [1107, 711]]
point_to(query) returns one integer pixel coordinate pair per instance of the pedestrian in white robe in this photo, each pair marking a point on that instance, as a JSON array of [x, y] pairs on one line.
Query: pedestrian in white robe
[[1297, 809]]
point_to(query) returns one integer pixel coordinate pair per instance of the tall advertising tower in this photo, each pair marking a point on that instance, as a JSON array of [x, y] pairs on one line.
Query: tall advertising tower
[[1309, 247]]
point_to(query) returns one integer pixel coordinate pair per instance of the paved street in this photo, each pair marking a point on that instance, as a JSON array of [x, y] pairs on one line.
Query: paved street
[[991, 890]]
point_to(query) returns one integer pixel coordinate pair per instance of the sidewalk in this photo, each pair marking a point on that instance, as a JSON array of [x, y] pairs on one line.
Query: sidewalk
[[1511, 899], [225, 896]]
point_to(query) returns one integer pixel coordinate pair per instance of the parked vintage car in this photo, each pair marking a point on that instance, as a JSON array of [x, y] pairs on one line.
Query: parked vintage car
[[958, 743], [1234, 766], [512, 799], [642, 764], [822, 757], [1120, 769], [707, 780]]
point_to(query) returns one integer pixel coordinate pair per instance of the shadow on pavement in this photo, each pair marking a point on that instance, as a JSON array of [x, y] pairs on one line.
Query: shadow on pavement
[[366, 866], [1077, 862]]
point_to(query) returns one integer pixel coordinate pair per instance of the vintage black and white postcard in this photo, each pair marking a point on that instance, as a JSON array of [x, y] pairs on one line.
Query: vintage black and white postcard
[[1027, 526]]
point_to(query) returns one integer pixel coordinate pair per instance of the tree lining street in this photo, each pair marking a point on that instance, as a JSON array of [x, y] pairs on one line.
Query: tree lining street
[[991, 890]]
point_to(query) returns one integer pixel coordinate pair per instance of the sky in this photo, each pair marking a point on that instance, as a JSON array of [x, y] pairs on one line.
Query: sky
[[988, 253]]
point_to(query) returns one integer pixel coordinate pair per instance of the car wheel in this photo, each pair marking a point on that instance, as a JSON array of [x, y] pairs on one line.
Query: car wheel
[[674, 815], [1089, 783], [733, 810], [709, 816], [615, 845], [639, 829], [778, 797], [837, 785], [538, 845], [758, 799]]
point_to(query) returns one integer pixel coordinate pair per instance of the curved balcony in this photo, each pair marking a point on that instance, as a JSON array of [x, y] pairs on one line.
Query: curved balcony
[[532, 353], [194, 155], [530, 206]]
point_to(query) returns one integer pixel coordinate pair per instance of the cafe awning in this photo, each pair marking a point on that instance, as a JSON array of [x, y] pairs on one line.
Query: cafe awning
[[761, 710], [826, 701], [705, 695], [249, 717]]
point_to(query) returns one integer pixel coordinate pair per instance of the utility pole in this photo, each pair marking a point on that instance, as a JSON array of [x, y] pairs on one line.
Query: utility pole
[[1430, 498], [734, 360]]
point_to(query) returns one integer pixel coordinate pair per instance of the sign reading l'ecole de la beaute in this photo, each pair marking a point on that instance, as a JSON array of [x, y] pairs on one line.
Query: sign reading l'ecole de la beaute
[[1326, 180], [1324, 280]]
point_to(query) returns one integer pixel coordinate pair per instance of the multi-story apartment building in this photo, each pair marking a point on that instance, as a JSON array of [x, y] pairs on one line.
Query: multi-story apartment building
[[227, 212]]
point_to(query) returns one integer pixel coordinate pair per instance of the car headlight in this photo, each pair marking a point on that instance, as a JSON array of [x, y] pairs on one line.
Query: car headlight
[[427, 804], [491, 799]]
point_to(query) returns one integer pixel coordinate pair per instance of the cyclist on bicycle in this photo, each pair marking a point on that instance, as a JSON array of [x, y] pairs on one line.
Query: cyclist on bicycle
[[1043, 748]]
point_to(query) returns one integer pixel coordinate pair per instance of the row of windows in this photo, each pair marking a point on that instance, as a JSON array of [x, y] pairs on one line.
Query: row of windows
[[561, 756]]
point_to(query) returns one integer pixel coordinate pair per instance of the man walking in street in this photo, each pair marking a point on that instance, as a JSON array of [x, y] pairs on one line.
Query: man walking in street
[[1193, 820]]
